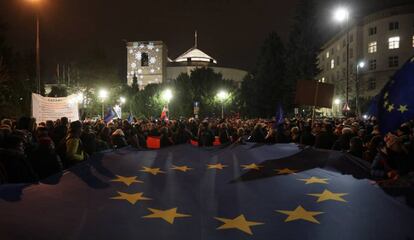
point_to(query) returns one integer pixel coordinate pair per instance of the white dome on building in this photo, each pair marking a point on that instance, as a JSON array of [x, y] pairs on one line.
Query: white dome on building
[[195, 55]]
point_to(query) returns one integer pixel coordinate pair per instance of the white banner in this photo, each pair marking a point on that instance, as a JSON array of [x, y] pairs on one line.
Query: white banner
[[47, 108]]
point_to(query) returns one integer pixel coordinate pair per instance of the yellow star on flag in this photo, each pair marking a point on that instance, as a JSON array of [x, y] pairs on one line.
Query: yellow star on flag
[[251, 166], [216, 166], [315, 180], [328, 195], [403, 108], [168, 215], [390, 108], [285, 171], [131, 197], [239, 223], [300, 213], [127, 180], [181, 168], [153, 171]]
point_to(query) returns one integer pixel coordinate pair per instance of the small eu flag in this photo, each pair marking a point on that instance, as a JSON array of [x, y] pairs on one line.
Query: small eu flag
[[396, 103], [110, 115]]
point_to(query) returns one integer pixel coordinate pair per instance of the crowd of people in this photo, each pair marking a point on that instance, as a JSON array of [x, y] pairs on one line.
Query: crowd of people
[[30, 152]]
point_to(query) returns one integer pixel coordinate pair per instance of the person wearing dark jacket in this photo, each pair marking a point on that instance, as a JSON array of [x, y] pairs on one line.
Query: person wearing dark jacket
[[326, 138]]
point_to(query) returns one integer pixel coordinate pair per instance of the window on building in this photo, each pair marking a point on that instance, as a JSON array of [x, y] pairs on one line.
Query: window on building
[[332, 63], [323, 80], [372, 64], [372, 84], [413, 41], [394, 26], [372, 47], [337, 60], [327, 54], [393, 42], [372, 31], [144, 60], [393, 61], [338, 47]]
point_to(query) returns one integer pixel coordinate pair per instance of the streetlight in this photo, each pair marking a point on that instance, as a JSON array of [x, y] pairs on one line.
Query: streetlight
[[222, 96], [167, 95], [122, 100], [342, 15], [103, 94], [337, 102], [360, 65], [37, 45]]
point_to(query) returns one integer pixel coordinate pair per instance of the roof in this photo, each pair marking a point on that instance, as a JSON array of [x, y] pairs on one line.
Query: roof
[[195, 55]]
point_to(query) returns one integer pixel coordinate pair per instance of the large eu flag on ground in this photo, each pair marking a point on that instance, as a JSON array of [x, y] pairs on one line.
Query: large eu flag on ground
[[396, 102], [247, 191]]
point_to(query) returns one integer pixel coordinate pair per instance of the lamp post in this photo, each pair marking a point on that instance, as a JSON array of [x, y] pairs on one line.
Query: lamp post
[[342, 15], [103, 94], [167, 95], [360, 65], [222, 96], [337, 102], [37, 45]]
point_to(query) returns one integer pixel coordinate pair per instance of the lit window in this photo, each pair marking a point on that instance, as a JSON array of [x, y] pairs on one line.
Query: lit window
[[413, 41], [323, 80], [393, 61], [327, 54], [372, 47], [394, 43], [372, 64], [332, 63]]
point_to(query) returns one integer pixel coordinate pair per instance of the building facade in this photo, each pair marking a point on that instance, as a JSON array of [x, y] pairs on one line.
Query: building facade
[[383, 41], [148, 61]]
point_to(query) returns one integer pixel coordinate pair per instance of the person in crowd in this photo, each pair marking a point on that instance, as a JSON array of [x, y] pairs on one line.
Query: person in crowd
[[307, 138], [43, 158], [74, 147], [326, 138], [205, 135], [342, 144], [14, 161], [356, 147], [118, 139]]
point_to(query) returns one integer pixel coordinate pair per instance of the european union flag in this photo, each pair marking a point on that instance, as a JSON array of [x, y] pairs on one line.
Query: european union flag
[[396, 103], [110, 115], [249, 191]]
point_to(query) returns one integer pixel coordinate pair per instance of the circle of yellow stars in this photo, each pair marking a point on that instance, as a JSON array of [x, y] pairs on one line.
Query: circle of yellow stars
[[389, 107], [240, 222]]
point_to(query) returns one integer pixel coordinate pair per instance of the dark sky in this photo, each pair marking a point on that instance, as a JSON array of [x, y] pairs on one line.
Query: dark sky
[[229, 30]]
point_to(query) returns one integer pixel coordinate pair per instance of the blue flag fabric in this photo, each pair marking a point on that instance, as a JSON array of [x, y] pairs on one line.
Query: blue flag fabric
[[250, 191], [279, 116], [396, 103], [373, 107], [130, 118], [110, 115]]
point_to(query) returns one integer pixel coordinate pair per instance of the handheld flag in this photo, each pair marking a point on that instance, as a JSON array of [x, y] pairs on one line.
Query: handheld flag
[[396, 103], [279, 117], [164, 114], [130, 118], [110, 115]]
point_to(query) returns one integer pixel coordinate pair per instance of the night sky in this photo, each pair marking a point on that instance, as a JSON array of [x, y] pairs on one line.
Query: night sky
[[231, 31]]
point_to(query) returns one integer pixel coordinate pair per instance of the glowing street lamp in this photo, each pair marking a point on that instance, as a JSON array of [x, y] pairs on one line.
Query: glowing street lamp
[[222, 96], [337, 102], [360, 66], [342, 15], [103, 95], [166, 96], [122, 100]]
